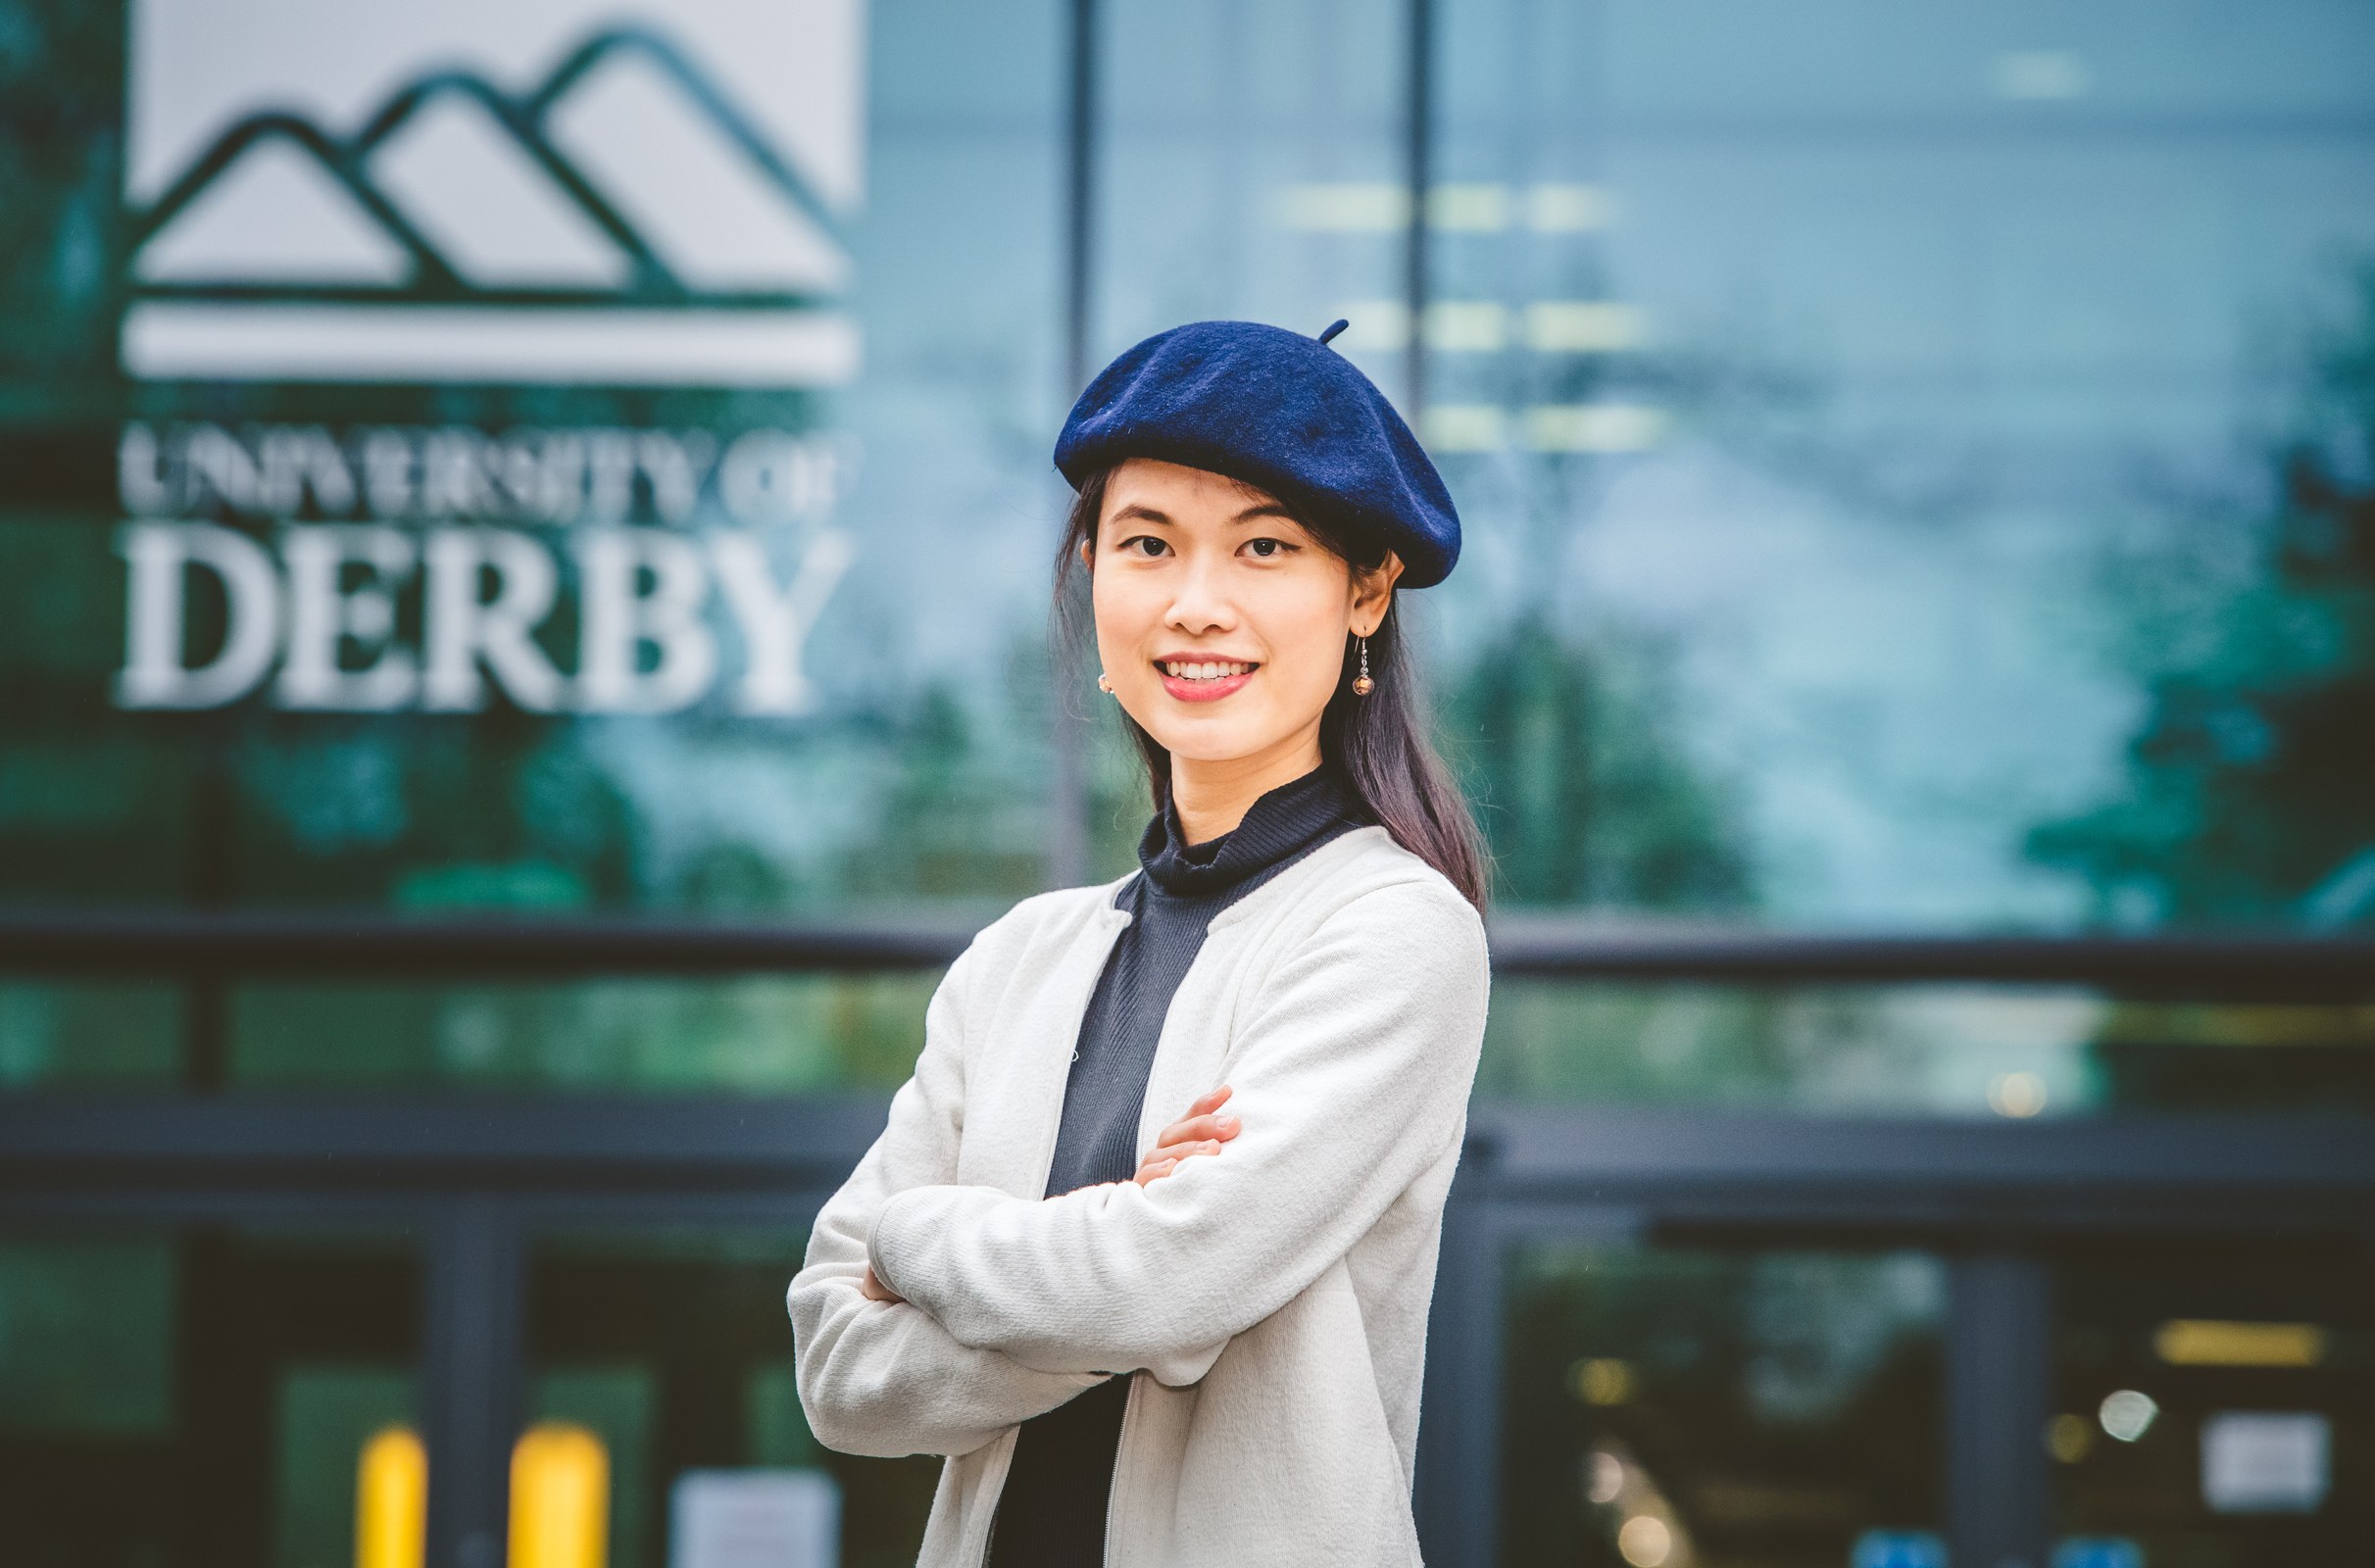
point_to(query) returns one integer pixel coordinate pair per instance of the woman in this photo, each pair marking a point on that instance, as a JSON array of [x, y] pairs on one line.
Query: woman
[[1209, 1353]]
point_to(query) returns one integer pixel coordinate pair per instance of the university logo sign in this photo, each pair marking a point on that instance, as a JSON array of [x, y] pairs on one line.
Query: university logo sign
[[446, 579], [538, 194], [452, 191]]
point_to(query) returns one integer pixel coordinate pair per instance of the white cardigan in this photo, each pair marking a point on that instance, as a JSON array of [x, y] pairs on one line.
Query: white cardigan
[[1271, 1300]]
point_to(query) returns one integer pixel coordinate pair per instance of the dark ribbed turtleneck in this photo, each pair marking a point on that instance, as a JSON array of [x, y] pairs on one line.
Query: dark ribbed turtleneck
[[1052, 1512]]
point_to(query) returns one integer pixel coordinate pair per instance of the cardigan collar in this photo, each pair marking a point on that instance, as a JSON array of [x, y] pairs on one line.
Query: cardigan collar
[[1281, 826]]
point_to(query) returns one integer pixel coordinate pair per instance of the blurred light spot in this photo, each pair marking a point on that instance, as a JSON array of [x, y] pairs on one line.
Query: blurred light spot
[[1601, 1380], [2038, 75], [561, 1487], [1475, 326], [1581, 326], [1377, 324], [2343, 897], [2098, 1551], [2017, 1094], [2127, 1415], [1594, 428], [1346, 207], [1603, 1476], [1645, 1542], [2266, 1461], [2069, 1438], [2207, 1341], [1897, 1549], [1566, 209], [1467, 427], [392, 1501], [1468, 209]]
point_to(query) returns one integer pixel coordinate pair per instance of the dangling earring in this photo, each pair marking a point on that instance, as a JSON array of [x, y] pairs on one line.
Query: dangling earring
[[1363, 685], [1105, 684]]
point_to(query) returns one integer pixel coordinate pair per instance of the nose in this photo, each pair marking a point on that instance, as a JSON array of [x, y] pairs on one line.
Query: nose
[[1201, 603]]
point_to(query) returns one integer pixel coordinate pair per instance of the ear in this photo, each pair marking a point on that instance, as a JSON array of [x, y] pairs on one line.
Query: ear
[[1373, 594], [1088, 553]]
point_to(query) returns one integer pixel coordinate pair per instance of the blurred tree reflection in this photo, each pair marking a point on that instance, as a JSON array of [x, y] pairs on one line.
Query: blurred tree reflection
[[2249, 794], [962, 821], [1583, 785]]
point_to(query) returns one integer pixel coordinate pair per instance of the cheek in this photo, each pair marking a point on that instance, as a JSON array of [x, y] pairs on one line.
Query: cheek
[[1122, 615], [1304, 633]]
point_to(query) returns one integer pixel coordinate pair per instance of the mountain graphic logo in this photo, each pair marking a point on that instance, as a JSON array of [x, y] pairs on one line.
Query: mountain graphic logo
[[622, 220]]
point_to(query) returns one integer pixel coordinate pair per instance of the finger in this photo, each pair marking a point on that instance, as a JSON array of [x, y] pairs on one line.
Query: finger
[[1200, 1129], [1212, 1101], [1197, 1129], [1169, 1158]]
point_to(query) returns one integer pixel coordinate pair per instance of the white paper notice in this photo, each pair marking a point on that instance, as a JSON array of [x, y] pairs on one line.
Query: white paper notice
[[2264, 1462], [755, 1519]]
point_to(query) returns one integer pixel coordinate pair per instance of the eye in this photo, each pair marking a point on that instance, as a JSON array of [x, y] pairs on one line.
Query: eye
[[1145, 544], [1267, 549]]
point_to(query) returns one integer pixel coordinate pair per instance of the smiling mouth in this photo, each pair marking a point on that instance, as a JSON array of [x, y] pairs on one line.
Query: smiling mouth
[[1210, 669]]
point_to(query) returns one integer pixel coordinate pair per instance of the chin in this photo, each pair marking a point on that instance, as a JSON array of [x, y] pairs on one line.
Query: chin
[[1217, 743]]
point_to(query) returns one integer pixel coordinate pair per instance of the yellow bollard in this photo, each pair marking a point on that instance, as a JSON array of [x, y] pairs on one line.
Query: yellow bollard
[[392, 1501], [560, 1498]]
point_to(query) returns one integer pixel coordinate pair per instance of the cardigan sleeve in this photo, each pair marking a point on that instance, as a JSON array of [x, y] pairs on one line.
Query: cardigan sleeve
[[1351, 1075], [885, 1378]]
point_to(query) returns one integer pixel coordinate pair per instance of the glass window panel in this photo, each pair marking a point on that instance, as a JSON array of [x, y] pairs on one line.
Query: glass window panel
[[1872, 422], [1250, 166], [2013, 1051], [325, 1414], [1674, 1405], [86, 1343], [672, 1347], [763, 1034], [885, 535], [89, 1035], [2161, 1352], [197, 1395]]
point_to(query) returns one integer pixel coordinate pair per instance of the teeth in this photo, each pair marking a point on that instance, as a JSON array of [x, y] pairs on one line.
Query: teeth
[[1209, 670]]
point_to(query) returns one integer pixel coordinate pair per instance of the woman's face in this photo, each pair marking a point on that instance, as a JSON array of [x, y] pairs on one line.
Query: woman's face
[[1221, 623]]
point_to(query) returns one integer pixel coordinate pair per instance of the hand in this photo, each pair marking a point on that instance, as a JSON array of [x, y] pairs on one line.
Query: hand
[[1199, 1132], [873, 1290]]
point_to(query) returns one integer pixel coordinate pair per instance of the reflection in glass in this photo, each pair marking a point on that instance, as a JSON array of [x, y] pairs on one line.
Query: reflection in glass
[[772, 1034], [2011, 1052], [89, 1035], [1251, 168], [1860, 443], [198, 1397], [672, 1350], [1669, 1407], [2233, 1385]]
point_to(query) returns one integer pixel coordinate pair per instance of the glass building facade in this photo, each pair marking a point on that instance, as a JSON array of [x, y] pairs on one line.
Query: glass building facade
[[477, 480]]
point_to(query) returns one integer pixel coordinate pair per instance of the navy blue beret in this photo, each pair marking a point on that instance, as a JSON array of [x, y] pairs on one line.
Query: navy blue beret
[[1276, 410]]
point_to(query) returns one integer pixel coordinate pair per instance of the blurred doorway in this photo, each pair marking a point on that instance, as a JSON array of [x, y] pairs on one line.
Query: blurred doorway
[[671, 1343], [197, 1395], [1667, 1407]]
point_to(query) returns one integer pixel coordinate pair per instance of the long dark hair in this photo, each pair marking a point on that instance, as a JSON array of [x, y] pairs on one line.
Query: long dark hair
[[1378, 742]]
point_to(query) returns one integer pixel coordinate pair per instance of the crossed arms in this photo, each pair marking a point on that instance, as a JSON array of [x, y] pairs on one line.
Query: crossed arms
[[1350, 1077]]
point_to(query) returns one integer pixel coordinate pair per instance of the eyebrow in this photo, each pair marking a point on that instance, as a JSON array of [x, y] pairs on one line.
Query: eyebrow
[[1145, 514]]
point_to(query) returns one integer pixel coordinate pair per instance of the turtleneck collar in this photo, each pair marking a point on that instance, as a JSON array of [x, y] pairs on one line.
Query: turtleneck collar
[[1284, 825]]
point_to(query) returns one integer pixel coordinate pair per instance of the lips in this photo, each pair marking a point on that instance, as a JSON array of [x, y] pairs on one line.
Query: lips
[[1203, 680]]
